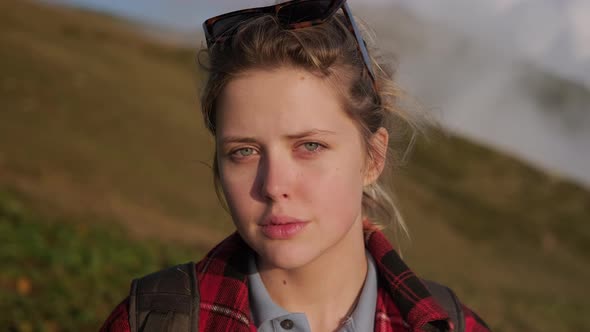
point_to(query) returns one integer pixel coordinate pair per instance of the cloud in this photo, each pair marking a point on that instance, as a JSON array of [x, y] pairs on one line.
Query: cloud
[[554, 34], [579, 18]]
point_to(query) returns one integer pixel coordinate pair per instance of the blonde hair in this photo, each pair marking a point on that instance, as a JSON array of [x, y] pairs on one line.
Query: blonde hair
[[330, 51]]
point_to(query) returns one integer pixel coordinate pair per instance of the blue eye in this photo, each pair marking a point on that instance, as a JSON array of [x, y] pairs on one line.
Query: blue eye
[[311, 146], [245, 152]]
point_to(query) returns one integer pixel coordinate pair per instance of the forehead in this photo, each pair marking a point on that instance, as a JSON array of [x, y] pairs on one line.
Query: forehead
[[280, 100]]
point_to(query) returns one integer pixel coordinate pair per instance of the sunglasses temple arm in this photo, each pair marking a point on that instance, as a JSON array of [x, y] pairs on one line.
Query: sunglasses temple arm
[[361, 43]]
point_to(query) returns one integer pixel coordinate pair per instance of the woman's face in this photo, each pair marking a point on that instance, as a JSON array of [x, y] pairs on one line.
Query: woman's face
[[291, 165]]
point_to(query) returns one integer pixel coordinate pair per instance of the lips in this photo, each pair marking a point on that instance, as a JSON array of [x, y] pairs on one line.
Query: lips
[[282, 227]]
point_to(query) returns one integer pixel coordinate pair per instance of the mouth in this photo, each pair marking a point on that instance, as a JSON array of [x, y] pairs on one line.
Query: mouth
[[282, 227]]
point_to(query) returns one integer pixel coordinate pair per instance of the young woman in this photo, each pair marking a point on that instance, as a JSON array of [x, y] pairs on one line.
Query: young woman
[[302, 118]]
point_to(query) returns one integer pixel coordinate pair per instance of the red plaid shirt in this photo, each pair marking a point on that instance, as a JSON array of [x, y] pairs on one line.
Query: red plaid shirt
[[403, 302]]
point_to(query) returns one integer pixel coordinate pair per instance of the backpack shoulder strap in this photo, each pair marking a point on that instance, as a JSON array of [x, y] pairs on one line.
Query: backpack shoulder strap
[[449, 301], [167, 300]]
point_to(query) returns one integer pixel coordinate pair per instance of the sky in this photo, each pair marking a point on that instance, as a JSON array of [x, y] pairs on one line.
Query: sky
[[553, 33]]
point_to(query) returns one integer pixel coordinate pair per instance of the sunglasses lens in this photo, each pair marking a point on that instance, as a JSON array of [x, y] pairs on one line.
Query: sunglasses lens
[[227, 25], [305, 11]]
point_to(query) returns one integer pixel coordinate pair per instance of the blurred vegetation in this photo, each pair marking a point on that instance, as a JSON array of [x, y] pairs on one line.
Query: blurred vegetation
[[104, 177], [66, 276]]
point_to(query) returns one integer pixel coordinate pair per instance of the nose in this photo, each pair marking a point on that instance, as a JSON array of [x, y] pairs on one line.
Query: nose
[[276, 174]]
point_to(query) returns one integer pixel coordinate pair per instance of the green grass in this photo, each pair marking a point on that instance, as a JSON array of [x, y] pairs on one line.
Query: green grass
[[101, 136], [64, 276]]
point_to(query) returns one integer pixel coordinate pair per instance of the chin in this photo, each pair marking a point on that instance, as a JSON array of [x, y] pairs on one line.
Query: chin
[[287, 256]]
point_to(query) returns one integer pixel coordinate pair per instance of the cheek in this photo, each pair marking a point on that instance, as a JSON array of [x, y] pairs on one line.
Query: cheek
[[237, 186], [338, 185]]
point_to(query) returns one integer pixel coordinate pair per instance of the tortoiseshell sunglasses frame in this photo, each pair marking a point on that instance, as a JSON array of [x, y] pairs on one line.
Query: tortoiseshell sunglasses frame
[[275, 9]]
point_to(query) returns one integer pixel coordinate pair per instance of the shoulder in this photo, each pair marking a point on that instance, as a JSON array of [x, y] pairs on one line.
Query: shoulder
[[213, 270], [462, 317], [473, 323], [118, 320]]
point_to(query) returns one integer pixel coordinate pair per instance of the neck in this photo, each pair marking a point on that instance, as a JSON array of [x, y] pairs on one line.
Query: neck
[[325, 289]]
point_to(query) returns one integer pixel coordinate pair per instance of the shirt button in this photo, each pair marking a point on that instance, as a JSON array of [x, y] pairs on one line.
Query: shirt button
[[287, 324]]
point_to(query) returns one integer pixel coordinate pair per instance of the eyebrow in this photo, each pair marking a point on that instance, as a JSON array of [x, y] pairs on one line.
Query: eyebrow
[[307, 133]]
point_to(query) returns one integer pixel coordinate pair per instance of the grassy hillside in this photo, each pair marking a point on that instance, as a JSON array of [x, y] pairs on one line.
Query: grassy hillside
[[101, 140], [99, 120], [66, 276]]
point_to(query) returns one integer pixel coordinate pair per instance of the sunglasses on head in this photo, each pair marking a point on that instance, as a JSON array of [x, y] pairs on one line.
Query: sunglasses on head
[[294, 14]]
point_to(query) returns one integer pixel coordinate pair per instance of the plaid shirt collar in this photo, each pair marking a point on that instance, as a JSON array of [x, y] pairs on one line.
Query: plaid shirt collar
[[403, 304]]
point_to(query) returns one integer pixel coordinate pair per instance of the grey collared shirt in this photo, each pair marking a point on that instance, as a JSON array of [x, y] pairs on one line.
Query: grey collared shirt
[[269, 317]]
